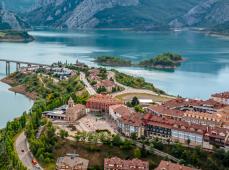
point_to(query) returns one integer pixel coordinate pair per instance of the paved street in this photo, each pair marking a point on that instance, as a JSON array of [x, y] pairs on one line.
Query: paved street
[[89, 88], [26, 157]]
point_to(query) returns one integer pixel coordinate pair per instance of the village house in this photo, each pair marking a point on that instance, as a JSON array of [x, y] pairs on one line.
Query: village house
[[216, 137], [177, 131], [157, 126], [191, 134], [107, 84], [117, 111], [224, 116], [182, 104], [116, 163], [71, 162], [221, 97], [80, 65], [56, 114], [161, 110], [166, 165], [202, 118], [128, 122], [101, 103], [131, 123], [74, 111]]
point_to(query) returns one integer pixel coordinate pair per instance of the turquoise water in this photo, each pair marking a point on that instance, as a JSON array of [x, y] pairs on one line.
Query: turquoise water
[[206, 70], [12, 105]]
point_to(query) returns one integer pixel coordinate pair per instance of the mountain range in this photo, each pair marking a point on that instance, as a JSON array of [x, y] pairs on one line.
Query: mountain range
[[134, 14]]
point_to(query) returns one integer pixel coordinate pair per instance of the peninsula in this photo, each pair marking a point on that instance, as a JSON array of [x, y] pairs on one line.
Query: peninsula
[[15, 36]]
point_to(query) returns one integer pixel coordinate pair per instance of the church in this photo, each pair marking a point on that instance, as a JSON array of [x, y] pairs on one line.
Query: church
[[74, 111]]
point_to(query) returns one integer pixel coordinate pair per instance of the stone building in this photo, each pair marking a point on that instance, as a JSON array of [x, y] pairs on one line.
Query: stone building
[[74, 111], [116, 163], [71, 162]]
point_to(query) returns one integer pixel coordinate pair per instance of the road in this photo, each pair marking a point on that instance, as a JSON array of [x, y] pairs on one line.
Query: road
[[26, 157], [159, 153], [89, 88]]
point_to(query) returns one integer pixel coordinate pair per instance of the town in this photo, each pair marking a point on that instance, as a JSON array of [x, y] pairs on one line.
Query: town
[[141, 116]]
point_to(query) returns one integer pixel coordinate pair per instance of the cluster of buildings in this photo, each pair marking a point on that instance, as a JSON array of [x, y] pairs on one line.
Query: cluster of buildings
[[70, 113], [59, 72], [188, 121], [202, 123], [74, 162], [98, 82]]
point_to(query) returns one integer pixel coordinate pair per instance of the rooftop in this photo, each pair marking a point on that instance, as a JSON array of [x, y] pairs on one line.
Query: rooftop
[[162, 109], [165, 165], [224, 95], [101, 98], [117, 163]]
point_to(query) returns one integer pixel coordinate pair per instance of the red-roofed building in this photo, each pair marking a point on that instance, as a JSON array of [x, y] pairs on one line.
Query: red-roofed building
[[131, 123], [157, 126], [116, 163], [221, 97], [165, 165], [101, 103], [202, 118], [210, 106], [162, 110], [107, 84], [217, 137]]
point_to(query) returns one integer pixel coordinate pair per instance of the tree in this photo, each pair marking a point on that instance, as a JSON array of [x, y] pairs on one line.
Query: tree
[[134, 135], [135, 101], [139, 109], [101, 89], [63, 134], [188, 141], [137, 153], [117, 141]]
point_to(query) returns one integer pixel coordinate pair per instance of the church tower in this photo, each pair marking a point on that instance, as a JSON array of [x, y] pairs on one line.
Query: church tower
[[70, 103]]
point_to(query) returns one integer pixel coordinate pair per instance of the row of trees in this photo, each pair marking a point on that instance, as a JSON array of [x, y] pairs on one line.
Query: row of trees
[[8, 156]]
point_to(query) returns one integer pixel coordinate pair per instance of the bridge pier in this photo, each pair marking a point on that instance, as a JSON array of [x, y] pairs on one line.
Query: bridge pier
[[7, 67], [18, 65]]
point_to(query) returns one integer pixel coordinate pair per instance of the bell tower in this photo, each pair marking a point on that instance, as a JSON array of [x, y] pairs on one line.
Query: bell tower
[[70, 102]]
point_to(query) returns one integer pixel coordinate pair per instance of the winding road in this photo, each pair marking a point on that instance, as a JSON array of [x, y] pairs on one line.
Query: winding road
[[24, 154]]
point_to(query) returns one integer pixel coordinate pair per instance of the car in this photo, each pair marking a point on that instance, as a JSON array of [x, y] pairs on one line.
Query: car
[[34, 162]]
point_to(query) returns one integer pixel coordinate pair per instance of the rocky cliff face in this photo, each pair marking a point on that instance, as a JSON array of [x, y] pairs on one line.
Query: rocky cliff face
[[84, 14], [8, 20], [209, 13], [74, 14]]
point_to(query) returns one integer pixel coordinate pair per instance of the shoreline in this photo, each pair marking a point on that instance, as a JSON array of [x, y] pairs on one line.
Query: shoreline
[[20, 89]]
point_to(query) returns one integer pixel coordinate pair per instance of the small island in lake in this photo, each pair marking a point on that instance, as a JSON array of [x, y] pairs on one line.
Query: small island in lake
[[163, 61], [113, 61], [15, 36]]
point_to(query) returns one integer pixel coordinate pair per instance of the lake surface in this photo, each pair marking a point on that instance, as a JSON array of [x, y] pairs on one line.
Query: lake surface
[[206, 70]]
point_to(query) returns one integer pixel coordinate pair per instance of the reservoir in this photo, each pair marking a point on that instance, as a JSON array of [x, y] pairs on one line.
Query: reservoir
[[205, 71]]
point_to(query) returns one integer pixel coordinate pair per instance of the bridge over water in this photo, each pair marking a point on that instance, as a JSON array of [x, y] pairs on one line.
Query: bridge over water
[[19, 63]]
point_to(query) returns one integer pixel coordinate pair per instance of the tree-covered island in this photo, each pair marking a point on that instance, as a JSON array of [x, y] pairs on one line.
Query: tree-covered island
[[112, 61], [163, 61], [15, 36]]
